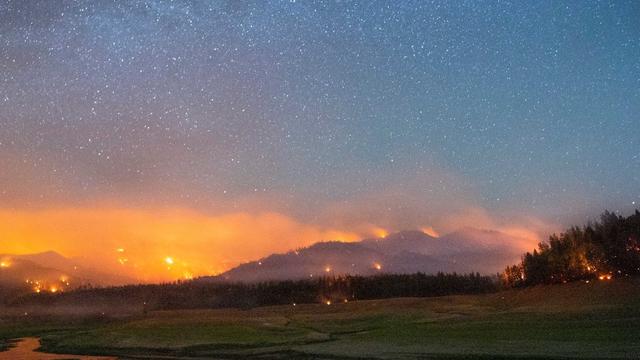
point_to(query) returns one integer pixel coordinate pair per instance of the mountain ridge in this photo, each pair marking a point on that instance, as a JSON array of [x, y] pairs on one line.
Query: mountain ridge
[[409, 251]]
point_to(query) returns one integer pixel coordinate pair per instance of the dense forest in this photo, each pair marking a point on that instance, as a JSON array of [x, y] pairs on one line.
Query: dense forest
[[328, 290], [603, 250]]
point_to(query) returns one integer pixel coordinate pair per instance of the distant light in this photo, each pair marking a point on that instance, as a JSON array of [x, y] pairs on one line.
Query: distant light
[[328, 302], [377, 266], [168, 260], [327, 269], [4, 264], [120, 250], [53, 289]]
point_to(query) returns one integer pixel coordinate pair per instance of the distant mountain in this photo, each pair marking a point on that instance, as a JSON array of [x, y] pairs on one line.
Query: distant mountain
[[467, 250], [50, 271]]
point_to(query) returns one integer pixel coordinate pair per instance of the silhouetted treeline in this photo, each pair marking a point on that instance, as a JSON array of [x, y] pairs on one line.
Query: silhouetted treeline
[[206, 294], [603, 250]]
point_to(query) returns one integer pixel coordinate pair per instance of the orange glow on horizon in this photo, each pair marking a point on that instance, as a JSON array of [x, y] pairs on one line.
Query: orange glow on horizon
[[129, 242], [136, 242], [430, 231]]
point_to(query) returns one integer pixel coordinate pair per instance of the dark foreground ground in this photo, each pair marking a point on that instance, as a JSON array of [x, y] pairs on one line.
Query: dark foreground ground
[[581, 320]]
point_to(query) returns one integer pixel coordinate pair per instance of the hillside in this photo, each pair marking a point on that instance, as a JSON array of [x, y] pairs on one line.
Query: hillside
[[49, 271], [468, 250]]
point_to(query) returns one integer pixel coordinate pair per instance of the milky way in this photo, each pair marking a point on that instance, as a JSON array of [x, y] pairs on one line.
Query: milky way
[[336, 113]]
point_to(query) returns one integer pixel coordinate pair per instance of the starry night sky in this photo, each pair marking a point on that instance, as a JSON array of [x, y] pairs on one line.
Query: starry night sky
[[394, 113]]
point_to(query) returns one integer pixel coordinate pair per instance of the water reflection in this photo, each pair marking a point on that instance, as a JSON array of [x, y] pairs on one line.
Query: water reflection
[[25, 349]]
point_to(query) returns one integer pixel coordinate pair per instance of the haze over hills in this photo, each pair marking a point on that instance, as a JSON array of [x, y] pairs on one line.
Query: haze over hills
[[50, 271], [463, 251], [466, 250]]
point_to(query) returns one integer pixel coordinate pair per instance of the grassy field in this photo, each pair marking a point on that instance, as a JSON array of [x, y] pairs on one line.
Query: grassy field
[[596, 320]]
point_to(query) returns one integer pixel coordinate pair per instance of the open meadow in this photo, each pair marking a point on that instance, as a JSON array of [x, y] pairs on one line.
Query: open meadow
[[588, 320]]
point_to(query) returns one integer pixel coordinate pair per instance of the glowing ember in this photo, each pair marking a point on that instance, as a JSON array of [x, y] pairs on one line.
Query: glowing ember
[[327, 269], [328, 302], [380, 232], [605, 277], [377, 266], [53, 289]]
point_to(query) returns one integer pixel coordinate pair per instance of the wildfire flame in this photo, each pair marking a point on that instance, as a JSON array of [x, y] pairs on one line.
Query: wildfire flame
[[430, 231], [380, 232]]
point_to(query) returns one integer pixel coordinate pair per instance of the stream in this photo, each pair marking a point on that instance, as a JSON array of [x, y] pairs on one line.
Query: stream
[[25, 349]]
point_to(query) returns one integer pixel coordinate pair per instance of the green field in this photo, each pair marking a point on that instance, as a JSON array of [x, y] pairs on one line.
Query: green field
[[596, 320]]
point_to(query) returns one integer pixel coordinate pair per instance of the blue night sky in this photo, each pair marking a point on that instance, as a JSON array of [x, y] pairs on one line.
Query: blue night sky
[[396, 114]]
